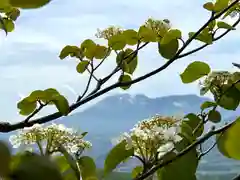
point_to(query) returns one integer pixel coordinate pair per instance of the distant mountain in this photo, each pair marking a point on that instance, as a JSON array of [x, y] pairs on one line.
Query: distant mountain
[[118, 113]]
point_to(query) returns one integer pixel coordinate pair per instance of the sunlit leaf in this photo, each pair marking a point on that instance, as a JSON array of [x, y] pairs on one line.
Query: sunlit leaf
[[208, 104], [8, 25], [136, 171], [26, 106], [69, 50], [209, 6], [220, 5], [117, 42], [228, 143], [195, 71], [168, 50], [87, 168], [13, 14], [131, 36], [183, 168], [117, 155], [123, 79], [5, 156], [61, 104], [224, 25], [205, 36], [147, 34], [171, 35], [36, 167], [28, 4], [82, 66], [194, 121], [214, 116]]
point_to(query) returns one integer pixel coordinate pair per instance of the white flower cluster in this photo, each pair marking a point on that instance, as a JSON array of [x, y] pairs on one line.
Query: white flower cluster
[[51, 137], [153, 137], [159, 27]]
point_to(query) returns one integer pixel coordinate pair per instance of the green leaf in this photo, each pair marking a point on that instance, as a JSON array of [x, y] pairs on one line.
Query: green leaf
[[183, 168], [220, 5], [193, 122], [87, 168], [168, 51], [205, 36], [195, 71], [212, 25], [7, 24], [61, 104], [136, 171], [26, 106], [123, 79], [4, 3], [127, 62], [36, 167], [208, 104], [230, 100], [5, 156], [13, 14], [117, 42], [172, 34], [223, 25], [118, 154], [69, 50], [214, 116], [131, 36], [28, 4], [100, 52], [147, 34], [228, 143], [209, 6], [82, 66]]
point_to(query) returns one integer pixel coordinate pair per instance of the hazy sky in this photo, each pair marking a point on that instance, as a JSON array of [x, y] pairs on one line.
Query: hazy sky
[[29, 55]]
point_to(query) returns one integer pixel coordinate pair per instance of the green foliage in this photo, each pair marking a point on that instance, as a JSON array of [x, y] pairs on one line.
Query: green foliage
[[178, 168], [172, 34], [147, 34], [127, 61], [36, 167], [69, 50], [194, 122], [136, 171], [209, 6], [82, 66], [205, 36], [48, 96], [5, 156], [208, 104], [123, 79], [117, 42], [168, 50], [214, 116], [224, 25], [87, 168], [131, 36], [194, 71], [28, 4], [220, 5], [117, 155], [228, 143]]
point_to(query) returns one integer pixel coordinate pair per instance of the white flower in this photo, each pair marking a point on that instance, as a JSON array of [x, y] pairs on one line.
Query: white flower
[[162, 150], [74, 149], [128, 140]]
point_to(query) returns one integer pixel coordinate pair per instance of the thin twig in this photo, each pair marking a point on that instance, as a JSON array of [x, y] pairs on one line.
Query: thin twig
[[6, 127]]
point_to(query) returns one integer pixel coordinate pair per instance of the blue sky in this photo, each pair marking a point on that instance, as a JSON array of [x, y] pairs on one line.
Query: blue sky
[[29, 55]]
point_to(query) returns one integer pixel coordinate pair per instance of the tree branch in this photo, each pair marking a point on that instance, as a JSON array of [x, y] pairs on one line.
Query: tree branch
[[7, 127]]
